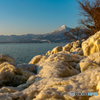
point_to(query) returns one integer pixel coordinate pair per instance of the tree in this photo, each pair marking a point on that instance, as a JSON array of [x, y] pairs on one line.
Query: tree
[[76, 34], [90, 10]]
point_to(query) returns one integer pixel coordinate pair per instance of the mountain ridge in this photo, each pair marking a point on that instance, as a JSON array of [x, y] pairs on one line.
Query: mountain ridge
[[54, 36]]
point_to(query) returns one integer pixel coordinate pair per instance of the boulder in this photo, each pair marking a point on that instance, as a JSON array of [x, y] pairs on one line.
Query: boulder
[[59, 88], [38, 58], [35, 59], [92, 44], [83, 82], [31, 80], [67, 47], [49, 52], [9, 89], [77, 51], [95, 97], [76, 44], [58, 65], [10, 75], [28, 67], [90, 62], [22, 86], [56, 49], [6, 58], [5, 96]]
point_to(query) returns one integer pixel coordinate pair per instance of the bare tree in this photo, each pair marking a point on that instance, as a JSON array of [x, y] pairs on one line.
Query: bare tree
[[76, 34], [90, 10]]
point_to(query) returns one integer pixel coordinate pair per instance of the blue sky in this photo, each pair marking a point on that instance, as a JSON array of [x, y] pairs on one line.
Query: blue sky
[[36, 16]]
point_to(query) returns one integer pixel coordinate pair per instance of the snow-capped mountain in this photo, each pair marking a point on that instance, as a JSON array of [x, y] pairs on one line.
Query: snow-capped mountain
[[63, 28], [54, 36]]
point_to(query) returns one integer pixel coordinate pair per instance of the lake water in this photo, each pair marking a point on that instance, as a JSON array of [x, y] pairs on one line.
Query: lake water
[[24, 52]]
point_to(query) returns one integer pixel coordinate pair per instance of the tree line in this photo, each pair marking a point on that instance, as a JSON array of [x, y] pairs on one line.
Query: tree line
[[89, 23]]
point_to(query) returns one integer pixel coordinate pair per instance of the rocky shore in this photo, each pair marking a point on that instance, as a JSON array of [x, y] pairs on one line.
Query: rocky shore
[[74, 67]]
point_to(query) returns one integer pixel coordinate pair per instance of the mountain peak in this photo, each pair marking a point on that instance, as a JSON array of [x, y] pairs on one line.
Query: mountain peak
[[63, 26]]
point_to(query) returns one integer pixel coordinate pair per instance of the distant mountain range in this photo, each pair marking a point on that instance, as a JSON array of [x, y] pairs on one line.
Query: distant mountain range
[[54, 36]]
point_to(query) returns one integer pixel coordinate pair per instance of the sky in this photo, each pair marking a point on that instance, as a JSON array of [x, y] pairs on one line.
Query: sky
[[36, 16]]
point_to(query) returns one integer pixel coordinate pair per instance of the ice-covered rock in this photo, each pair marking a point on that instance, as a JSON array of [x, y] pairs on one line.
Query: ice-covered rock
[[90, 62], [6, 58], [9, 89], [76, 44], [31, 80], [78, 51], [10, 75], [5, 96], [67, 47], [28, 67], [95, 97], [49, 52], [54, 75], [38, 58], [74, 47], [56, 49], [56, 88], [22, 86], [92, 44]]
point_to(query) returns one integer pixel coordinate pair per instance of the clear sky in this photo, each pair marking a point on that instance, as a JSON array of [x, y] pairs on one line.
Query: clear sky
[[36, 16]]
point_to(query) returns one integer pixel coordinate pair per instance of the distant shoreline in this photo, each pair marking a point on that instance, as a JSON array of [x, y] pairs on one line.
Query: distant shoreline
[[28, 42]]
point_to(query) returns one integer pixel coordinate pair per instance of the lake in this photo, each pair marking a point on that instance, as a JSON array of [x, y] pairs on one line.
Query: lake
[[24, 52]]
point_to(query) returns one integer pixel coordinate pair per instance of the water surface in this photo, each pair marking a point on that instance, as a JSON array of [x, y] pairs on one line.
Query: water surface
[[24, 52]]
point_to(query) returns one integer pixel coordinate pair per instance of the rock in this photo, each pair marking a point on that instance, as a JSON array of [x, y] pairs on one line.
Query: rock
[[77, 51], [22, 86], [38, 58], [92, 44], [65, 52], [5, 96], [6, 58], [9, 89], [91, 62], [10, 75], [35, 59], [63, 56], [74, 64], [56, 65], [28, 67], [49, 52], [77, 67], [76, 44], [60, 88], [57, 74], [52, 83], [31, 80], [83, 82], [56, 49], [67, 47], [95, 97], [56, 69], [98, 85]]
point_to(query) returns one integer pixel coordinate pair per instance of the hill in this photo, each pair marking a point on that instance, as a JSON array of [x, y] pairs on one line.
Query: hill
[[54, 36]]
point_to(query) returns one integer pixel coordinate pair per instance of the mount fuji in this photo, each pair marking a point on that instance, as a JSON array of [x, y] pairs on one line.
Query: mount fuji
[[54, 36], [62, 29]]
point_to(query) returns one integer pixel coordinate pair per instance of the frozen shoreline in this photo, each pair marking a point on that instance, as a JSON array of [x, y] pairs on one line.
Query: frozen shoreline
[[54, 75]]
